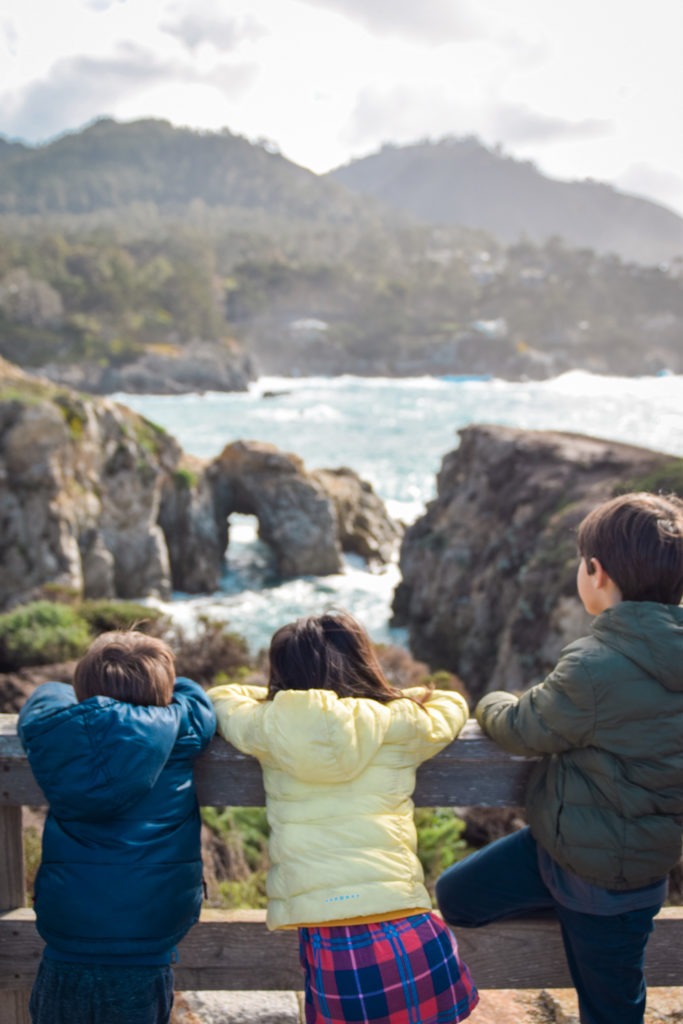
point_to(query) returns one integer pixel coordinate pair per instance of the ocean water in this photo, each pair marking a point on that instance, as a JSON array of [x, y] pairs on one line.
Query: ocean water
[[394, 433]]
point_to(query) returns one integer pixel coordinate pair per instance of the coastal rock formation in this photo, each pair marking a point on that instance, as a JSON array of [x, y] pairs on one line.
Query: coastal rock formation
[[196, 542], [295, 515], [307, 519], [98, 500], [80, 494], [363, 525], [168, 370], [488, 573]]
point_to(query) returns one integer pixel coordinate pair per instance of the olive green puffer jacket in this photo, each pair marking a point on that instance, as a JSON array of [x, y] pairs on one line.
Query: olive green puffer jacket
[[606, 799]]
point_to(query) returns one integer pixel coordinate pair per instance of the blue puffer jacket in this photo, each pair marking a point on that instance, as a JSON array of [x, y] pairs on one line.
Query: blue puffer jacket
[[121, 873]]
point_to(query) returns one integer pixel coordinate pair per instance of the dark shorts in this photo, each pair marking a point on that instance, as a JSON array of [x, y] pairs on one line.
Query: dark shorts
[[405, 971], [66, 993]]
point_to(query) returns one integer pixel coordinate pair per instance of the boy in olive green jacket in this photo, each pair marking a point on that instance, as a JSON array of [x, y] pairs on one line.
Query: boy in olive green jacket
[[605, 802]]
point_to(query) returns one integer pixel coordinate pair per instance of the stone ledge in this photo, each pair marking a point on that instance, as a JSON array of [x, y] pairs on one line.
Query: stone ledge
[[500, 1006], [236, 1008]]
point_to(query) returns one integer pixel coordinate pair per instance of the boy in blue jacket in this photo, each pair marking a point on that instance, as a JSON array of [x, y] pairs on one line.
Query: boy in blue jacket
[[120, 881]]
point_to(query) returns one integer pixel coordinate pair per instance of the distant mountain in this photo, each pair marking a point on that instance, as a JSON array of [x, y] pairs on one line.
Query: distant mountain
[[110, 165], [8, 149], [457, 182], [460, 181]]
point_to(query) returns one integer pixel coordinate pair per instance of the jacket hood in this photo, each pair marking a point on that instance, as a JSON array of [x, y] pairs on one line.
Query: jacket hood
[[649, 634], [97, 757]]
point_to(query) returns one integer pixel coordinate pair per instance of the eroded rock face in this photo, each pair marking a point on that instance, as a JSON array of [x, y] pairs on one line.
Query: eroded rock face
[[96, 499], [196, 541], [363, 524], [80, 493], [488, 588]]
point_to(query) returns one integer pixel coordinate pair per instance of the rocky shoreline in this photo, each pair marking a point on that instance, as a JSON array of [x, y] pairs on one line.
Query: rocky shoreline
[[103, 503], [171, 370], [99, 501]]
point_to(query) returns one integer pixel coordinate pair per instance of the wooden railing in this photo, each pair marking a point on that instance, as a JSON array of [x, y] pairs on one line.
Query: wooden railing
[[233, 949]]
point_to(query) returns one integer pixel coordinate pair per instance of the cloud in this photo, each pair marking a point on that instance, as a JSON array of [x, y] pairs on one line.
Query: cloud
[[102, 5], [77, 89], [433, 21], [9, 33], [404, 114], [520, 125], [401, 115], [196, 28]]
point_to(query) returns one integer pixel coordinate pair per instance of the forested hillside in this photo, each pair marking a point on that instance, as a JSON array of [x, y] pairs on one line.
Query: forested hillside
[[142, 242], [110, 165], [460, 181]]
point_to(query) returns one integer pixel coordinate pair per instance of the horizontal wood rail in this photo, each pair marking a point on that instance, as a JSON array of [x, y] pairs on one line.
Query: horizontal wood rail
[[233, 949]]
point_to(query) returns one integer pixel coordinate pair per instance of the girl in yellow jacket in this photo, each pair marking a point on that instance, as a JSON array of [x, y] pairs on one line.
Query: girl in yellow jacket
[[339, 748]]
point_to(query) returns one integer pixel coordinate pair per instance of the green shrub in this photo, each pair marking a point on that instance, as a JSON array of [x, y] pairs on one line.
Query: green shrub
[[185, 479], [103, 615], [439, 840], [41, 633], [248, 824], [664, 479], [248, 893]]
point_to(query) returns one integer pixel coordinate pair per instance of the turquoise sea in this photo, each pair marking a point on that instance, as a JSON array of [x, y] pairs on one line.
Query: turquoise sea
[[394, 433]]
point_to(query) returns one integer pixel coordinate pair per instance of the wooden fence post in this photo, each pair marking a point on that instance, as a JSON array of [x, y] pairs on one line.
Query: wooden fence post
[[13, 1002]]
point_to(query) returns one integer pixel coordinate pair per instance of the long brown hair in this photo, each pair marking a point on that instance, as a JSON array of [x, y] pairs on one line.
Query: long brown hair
[[128, 666], [328, 652]]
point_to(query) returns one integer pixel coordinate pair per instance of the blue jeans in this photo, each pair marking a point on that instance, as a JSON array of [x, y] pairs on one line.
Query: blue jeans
[[605, 954], [66, 993]]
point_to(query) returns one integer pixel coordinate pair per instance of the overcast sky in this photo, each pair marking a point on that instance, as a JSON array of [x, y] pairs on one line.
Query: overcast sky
[[587, 88]]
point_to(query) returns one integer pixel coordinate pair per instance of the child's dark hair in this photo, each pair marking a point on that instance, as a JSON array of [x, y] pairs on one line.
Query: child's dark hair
[[328, 652], [638, 540], [128, 666]]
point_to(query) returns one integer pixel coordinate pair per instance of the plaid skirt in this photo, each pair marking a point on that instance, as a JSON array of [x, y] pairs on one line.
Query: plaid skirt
[[405, 971]]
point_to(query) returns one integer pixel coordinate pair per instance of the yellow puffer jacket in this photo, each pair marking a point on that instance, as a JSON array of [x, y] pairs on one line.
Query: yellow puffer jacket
[[339, 774]]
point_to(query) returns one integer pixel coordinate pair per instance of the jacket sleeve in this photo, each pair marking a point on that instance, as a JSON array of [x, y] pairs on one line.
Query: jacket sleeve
[[43, 708], [438, 721], [556, 715], [239, 714], [199, 719]]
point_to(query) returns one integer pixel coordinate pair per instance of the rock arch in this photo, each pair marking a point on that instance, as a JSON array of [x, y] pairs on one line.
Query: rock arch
[[296, 517]]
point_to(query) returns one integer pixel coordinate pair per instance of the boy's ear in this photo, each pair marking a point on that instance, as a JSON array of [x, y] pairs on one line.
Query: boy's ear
[[599, 577]]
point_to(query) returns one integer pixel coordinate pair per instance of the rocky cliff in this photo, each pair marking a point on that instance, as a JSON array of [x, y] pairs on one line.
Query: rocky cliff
[[96, 499], [488, 573]]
